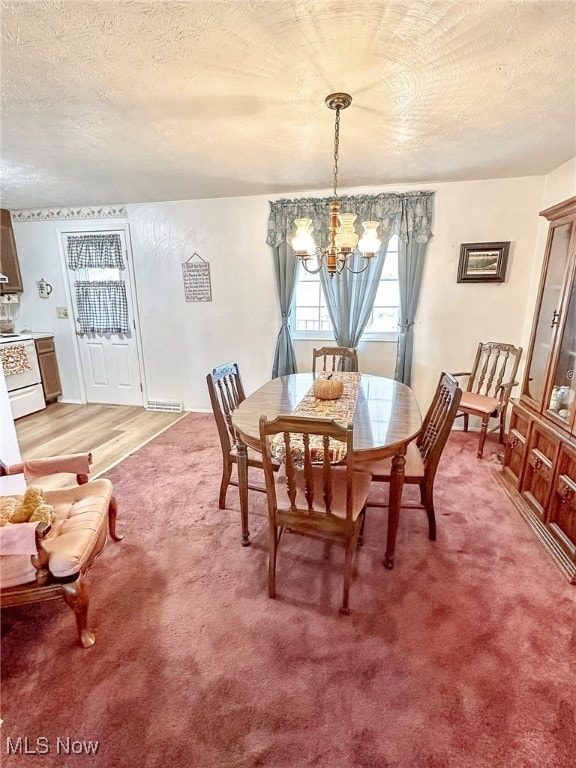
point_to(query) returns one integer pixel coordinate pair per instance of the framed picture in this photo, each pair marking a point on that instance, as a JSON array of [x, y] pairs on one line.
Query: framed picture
[[483, 262]]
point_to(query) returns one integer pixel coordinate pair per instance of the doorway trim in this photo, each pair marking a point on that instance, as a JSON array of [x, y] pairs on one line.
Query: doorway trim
[[92, 226]]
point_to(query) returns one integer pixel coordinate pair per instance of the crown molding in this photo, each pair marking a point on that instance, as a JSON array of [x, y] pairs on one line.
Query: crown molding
[[83, 212]]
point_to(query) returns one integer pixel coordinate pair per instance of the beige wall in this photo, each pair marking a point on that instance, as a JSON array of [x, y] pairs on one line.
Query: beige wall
[[183, 340]]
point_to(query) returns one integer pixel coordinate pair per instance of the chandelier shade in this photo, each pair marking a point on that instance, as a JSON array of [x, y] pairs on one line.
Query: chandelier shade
[[342, 238]]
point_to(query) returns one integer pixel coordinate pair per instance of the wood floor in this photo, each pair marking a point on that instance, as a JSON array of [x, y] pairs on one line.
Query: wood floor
[[110, 432]]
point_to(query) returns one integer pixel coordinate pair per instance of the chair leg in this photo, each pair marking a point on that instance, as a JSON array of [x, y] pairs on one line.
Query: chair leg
[[112, 515], [427, 499], [483, 433], [466, 416], [274, 538], [502, 425], [361, 532], [345, 610], [77, 598], [226, 475]]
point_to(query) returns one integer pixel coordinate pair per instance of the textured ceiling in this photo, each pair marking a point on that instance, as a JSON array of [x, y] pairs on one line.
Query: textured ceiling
[[142, 101]]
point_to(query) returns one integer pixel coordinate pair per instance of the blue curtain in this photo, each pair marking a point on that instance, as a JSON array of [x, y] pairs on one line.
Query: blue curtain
[[350, 297], [285, 271], [406, 214]]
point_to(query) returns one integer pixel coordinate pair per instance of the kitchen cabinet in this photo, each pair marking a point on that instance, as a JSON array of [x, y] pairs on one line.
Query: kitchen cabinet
[[8, 257], [539, 468], [48, 363]]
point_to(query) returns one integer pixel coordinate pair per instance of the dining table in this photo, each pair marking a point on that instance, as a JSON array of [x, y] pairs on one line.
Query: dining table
[[386, 419]]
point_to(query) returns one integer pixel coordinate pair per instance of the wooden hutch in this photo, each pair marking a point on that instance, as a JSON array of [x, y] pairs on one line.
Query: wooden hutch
[[539, 468]]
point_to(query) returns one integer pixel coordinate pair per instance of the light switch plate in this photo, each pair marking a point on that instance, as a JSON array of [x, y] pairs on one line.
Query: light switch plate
[[62, 312]]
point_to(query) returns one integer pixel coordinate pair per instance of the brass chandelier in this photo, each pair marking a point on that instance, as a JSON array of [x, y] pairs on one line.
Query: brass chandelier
[[343, 238]]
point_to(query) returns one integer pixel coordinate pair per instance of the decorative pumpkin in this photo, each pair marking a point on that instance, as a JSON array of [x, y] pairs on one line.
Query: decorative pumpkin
[[327, 389]]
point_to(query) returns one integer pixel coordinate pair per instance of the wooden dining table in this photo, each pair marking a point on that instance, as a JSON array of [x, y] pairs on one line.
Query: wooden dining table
[[386, 419]]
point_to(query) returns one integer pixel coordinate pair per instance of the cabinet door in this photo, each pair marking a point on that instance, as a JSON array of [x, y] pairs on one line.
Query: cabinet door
[[563, 505], [8, 259], [561, 394], [48, 369], [516, 446], [548, 313], [539, 471]]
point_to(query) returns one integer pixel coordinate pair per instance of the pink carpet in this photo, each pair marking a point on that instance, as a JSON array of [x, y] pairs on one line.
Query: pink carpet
[[463, 656]]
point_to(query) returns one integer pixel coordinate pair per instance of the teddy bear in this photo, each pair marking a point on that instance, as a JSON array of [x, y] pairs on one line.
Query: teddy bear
[[32, 508]]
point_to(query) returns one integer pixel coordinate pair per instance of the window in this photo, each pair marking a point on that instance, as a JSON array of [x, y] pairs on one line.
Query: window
[[310, 318]]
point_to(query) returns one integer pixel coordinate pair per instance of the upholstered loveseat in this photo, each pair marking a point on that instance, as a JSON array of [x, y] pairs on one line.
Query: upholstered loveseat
[[48, 560]]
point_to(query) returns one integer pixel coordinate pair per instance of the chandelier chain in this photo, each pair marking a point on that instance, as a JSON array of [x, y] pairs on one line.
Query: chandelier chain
[[336, 148]]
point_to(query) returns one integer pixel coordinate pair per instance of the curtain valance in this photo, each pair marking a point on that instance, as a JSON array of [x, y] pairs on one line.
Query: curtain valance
[[95, 252], [406, 214]]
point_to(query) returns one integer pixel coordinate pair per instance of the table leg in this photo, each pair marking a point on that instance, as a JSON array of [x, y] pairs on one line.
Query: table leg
[[395, 500], [242, 459]]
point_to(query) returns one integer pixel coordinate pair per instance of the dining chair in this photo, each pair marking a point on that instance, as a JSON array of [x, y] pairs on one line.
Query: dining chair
[[226, 393], [423, 453], [310, 495], [490, 384], [335, 359]]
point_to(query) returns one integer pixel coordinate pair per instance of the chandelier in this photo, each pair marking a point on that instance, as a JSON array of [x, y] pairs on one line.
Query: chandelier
[[342, 238]]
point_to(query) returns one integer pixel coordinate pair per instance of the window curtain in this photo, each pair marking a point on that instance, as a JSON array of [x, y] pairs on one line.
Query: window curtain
[[350, 297], [408, 215], [413, 235], [95, 252], [286, 272], [102, 306]]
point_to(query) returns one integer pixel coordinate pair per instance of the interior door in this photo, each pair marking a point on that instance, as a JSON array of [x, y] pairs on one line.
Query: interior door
[[110, 362]]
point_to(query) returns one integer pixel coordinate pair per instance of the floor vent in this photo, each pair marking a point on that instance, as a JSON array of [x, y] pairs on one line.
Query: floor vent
[[164, 405]]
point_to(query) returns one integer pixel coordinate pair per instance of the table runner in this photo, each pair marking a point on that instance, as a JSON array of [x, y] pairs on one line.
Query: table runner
[[341, 410]]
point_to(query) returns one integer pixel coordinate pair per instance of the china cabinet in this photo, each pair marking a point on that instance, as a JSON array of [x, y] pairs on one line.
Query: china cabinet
[[540, 458]]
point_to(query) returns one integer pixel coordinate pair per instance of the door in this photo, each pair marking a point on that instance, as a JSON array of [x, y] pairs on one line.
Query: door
[[98, 266]]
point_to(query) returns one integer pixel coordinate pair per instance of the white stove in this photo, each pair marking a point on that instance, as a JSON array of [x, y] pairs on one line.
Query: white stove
[[24, 388]]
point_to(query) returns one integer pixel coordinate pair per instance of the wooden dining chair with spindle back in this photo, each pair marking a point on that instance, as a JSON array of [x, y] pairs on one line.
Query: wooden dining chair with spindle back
[[424, 453], [226, 393], [317, 492], [331, 359], [490, 384]]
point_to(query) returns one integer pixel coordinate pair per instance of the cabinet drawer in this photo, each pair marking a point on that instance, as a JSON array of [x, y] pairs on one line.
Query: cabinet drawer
[[44, 345]]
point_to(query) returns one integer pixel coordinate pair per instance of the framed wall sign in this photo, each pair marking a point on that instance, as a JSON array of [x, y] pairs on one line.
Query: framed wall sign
[[197, 285], [483, 262]]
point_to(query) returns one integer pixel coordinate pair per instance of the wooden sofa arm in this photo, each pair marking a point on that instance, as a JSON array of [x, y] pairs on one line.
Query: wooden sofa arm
[[75, 463], [40, 560]]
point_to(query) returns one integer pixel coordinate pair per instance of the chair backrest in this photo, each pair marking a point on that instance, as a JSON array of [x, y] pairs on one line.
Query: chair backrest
[[438, 422], [335, 359], [495, 366], [311, 479], [226, 393]]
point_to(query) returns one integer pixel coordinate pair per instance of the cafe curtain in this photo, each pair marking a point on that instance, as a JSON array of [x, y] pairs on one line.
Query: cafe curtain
[[406, 214], [102, 304]]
